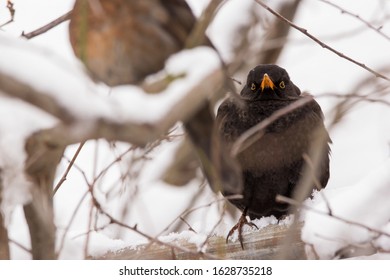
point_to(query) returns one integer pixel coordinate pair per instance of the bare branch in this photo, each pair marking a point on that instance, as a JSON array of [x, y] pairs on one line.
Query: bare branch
[[272, 45], [198, 32], [11, 9], [74, 130], [322, 44], [47, 27], [295, 203], [368, 24], [72, 218], [189, 211], [276, 37], [70, 165], [363, 98], [150, 238], [15, 88], [21, 246]]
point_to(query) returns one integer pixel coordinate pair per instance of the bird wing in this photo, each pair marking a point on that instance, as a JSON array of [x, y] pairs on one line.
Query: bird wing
[[319, 136], [227, 115]]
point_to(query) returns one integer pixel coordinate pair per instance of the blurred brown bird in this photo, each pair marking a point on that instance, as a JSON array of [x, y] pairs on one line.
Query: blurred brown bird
[[273, 164], [122, 41]]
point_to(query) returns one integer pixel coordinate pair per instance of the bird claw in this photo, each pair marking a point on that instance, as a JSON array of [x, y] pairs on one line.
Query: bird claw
[[239, 226]]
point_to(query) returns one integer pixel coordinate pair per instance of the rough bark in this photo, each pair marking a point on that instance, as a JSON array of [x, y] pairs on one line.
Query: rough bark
[[265, 244]]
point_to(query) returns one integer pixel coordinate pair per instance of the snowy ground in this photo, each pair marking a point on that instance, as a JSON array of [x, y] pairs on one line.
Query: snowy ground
[[359, 186]]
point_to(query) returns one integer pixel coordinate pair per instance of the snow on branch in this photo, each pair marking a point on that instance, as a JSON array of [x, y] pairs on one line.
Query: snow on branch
[[87, 112], [57, 104]]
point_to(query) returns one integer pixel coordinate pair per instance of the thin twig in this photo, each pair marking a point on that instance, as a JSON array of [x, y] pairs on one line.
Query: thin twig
[[47, 27], [316, 180], [11, 9], [70, 165], [72, 218], [190, 228], [24, 248], [322, 44], [189, 211], [368, 24], [310, 164], [213, 229], [364, 98], [293, 202], [134, 228], [150, 238], [116, 160], [197, 35], [90, 220]]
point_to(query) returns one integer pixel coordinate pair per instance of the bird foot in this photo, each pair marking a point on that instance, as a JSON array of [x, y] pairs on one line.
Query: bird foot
[[239, 226]]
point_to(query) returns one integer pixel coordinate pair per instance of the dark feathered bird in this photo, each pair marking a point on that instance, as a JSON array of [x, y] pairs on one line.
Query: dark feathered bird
[[273, 164]]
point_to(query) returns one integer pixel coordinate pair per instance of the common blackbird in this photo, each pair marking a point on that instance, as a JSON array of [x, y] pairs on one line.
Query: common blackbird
[[273, 164]]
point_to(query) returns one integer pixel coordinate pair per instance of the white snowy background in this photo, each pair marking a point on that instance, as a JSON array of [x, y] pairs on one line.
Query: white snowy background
[[359, 187]]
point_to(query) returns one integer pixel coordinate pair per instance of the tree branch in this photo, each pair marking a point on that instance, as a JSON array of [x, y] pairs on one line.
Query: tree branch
[[295, 203], [175, 247], [73, 130], [11, 9], [365, 22], [322, 44], [47, 27], [70, 165], [198, 33]]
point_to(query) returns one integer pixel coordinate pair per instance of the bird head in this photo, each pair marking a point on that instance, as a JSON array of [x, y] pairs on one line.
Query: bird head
[[269, 81]]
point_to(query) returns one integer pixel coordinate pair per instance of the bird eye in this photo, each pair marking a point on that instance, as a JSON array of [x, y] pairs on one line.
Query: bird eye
[[282, 85], [253, 87]]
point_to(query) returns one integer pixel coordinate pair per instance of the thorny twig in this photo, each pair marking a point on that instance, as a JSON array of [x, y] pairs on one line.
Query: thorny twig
[[322, 44]]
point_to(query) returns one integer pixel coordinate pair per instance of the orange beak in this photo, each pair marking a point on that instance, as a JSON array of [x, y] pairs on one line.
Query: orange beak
[[267, 83]]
